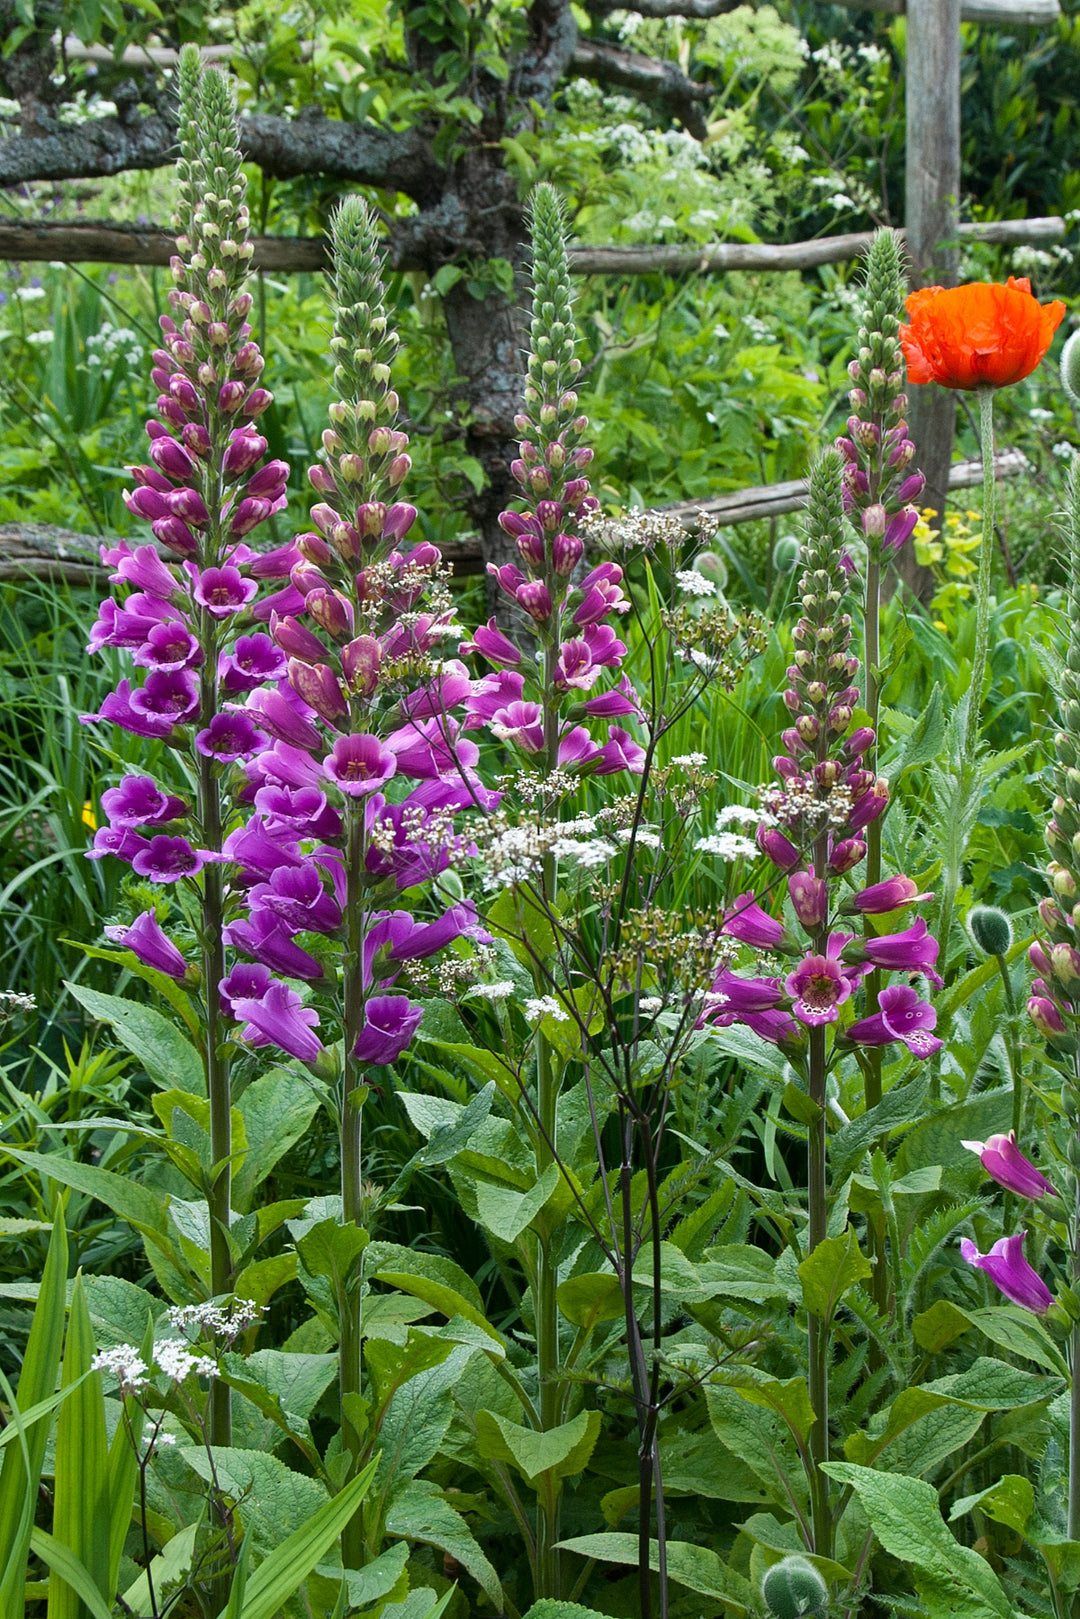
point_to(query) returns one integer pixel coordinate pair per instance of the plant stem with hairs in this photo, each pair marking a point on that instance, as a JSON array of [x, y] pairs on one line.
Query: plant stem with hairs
[[982, 583]]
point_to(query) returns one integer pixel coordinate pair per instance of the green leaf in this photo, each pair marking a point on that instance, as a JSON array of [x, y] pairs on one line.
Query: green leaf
[[953, 1581], [274, 1501], [70, 1576], [277, 1109], [375, 1580], [144, 1209], [738, 1271], [439, 1282], [939, 1138], [332, 1250], [924, 742], [696, 1567], [789, 1398], [524, 926], [21, 1471], [764, 1446], [587, 1300], [506, 1213], [835, 1265], [81, 1518], [168, 1057], [169, 1568], [935, 1329], [554, 1454], [420, 1513], [1010, 1501], [556, 1608], [290, 1563]]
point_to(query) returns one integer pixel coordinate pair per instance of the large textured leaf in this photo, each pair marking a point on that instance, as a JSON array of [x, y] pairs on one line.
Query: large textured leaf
[[835, 1265], [144, 1209], [168, 1057], [557, 1453], [953, 1581], [420, 1513], [276, 1109], [696, 1567], [276, 1501]]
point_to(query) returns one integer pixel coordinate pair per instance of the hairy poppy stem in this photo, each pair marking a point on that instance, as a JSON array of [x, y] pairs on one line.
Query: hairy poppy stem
[[982, 586]]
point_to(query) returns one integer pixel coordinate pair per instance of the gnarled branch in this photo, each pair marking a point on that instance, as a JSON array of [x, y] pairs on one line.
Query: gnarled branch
[[645, 76], [284, 148], [1003, 13]]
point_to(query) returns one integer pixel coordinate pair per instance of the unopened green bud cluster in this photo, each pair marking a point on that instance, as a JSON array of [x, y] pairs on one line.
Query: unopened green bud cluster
[[821, 695], [1063, 831], [212, 215], [551, 421]]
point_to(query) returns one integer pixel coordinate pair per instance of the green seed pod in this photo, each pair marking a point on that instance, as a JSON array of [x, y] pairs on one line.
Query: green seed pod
[[991, 929], [794, 1588], [785, 554], [1070, 368]]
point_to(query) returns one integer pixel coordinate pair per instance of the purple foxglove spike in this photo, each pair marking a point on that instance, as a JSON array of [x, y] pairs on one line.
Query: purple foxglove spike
[[786, 768], [605, 573], [300, 812], [901, 527], [279, 1018], [223, 591], [258, 852], [319, 688], [847, 449], [231, 397], [746, 921], [360, 664], [869, 806], [598, 601], [253, 660], [398, 470], [858, 742], [146, 503], [247, 981], [914, 950], [424, 939], [620, 752], [269, 479], [510, 578], [360, 764], [139, 801], [117, 710], [438, 696], [172, 459], [429, 748], [295, 640], [901, 455], [732, 996], [566, 553], [144, 570], [248, 515], [276, 564], [809, 898], [1010, 1272], [165, 860], [115, 840], [575, 668], [1005, 1163], [888, 896], [779, 849], [170, 411], [521, 724], [902, 1016], [244, 449], [604, 645], [265, 937], [618, 703], [578, 753], [490, 695], [296, 895], [230, 735], [196, 440], [171, 694], [331, 611], [515, 523], [169, 646], [549, 514], [145, 939], [874, 521], [189, 506], [535, 598], [176, 535], [1051, 915], [325, 518], [390, 1021], [399, 519], [819, 987], [531, 550], [911, 488], [574, 490], [492, 644], [1040, 960], [778, 1027], [274, 711], [258, 401], [1045, 1015]]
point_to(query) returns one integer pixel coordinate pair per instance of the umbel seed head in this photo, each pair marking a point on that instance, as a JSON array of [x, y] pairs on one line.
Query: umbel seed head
[[794, 1588], [991, 929]]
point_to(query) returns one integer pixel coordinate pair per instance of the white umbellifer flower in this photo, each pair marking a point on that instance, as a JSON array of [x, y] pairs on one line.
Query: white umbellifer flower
[[739, 815], [218, 1321], [694, 583], [40, 339], [650, 1003], [494, 992], [586, 852], [11, 1002], [727, 846], [545, 1006], [125, 1364], [690, 761], [1064, 449], [30, 295], [178, 1363], [647, 839], [715, 997]]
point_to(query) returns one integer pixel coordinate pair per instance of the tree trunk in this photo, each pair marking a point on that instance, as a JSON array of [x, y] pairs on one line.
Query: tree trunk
[[932, 99]]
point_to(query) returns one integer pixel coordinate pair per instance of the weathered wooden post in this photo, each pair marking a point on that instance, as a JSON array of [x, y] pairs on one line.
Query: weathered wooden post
[[932, 104]]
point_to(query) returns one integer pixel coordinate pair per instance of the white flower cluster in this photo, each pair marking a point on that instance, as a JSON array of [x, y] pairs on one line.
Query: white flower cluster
[[727, 846], [694, 583], [11, 1002], [216, 1320], [690, 761], [125, 1364], [178, 1363], [500, 991], [650, 1003], [116, 345], [84, 110], [739, 815], [585, 852], [546, 1006]]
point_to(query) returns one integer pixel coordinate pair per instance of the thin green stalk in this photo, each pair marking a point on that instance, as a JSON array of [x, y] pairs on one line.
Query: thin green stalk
[[982, 585]]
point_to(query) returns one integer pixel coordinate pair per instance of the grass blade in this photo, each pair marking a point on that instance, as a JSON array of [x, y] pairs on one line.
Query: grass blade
[[81, 1508]]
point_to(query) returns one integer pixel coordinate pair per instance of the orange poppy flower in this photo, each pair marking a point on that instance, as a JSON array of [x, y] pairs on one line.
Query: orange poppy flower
[[979, 335]]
